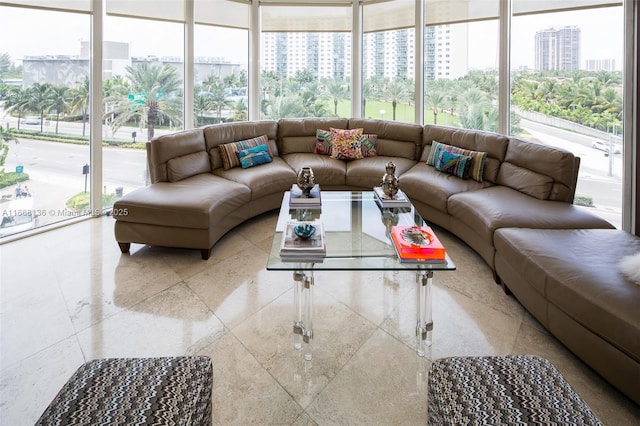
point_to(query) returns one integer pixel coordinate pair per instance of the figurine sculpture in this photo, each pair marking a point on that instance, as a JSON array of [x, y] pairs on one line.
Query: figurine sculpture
[[390, 182]]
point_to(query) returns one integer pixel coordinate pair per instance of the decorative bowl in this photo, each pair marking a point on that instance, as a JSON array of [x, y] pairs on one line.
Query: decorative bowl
[[304, 231]]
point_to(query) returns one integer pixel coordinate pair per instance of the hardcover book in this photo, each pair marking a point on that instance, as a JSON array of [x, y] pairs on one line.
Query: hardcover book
[[383, 200], [296, 198], [297, 245], [417, 244]]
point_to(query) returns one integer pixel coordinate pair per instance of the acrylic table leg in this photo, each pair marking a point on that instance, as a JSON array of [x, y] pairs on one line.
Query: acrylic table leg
[[303, 308], [424, 324]]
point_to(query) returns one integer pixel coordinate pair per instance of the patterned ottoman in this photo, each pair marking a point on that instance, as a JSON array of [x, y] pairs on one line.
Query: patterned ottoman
[[140, 391], [492, 390]]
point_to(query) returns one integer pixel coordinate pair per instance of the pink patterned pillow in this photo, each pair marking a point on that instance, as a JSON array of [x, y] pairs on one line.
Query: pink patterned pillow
[[346, 144]]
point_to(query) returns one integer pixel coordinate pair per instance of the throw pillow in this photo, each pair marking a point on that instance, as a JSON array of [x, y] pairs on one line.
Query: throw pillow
[[479, 158], [454, 164], [368, 143], [323, 142], [630, 266], [228, 150], [254, 156], [346, 144]]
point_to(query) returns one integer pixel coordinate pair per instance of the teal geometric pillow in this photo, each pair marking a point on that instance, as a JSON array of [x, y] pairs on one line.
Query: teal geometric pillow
[[254, 156], [323, 142], [454, 164], [368, 144]]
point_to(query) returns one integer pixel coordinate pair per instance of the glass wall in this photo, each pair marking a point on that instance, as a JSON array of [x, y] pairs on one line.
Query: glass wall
[[461, 64], [305, 62], [566, 78], [220, 62], [388, 60], [566, 61], [44, 98]]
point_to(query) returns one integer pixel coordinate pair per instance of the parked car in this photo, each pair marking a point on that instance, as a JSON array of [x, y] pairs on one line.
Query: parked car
[[603, 146], [31, 120]]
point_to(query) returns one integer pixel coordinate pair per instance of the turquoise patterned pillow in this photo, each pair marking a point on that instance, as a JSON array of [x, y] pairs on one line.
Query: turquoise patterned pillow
[[254, 156], [476, 171], [454, 164]]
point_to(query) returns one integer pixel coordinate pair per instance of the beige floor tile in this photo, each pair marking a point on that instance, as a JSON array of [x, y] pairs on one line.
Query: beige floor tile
[[30, 385], [170, 323], [68, 295], [243, 391]]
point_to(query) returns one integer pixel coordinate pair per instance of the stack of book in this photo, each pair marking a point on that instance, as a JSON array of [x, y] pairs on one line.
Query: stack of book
[[298, 200], [298, 249], [417, 244], [398, 200]]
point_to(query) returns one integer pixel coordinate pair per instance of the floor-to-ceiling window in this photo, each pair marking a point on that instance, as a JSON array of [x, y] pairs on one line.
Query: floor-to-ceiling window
[[461, 63], [388, 60], [305, 60], [220, 62], [143, 73], [566, 78], [44, 98]]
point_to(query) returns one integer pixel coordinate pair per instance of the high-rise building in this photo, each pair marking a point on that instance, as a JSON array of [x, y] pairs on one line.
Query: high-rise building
[[558, 49], [608, 64]]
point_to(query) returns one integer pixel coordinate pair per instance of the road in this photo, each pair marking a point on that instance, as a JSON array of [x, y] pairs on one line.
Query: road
[[55, 169]]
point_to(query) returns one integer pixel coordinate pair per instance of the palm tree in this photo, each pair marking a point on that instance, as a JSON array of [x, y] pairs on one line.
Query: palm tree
[[336, 90], [156, 95], [57, 99], [37, 100], [79, 101], [396, 90], [16, 100]]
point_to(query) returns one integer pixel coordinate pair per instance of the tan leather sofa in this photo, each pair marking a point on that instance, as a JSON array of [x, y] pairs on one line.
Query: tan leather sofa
[[525, 198]]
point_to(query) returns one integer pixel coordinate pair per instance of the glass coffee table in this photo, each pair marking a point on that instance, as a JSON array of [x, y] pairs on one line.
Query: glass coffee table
[[357, 238]]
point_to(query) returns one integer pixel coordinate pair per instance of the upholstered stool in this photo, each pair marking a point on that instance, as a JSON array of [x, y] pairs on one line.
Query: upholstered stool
[[158, 391], [513, 389]]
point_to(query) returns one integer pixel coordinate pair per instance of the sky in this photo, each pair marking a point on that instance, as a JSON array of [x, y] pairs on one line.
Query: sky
[[61, 34]]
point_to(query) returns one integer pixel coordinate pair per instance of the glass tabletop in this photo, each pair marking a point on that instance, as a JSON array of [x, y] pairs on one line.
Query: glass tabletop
[[357, 234]]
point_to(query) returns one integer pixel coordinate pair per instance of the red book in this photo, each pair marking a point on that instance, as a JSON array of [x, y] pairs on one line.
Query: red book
[[417, 244]]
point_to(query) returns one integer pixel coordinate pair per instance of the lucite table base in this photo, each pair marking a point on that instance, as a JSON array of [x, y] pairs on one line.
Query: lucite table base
[[303, 312]]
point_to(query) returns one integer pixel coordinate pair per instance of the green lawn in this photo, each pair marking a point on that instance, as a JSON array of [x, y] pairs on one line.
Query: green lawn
[[404, 113]]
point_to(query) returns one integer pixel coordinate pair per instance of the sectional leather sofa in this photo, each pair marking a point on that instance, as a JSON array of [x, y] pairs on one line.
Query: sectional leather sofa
[[516, 212]]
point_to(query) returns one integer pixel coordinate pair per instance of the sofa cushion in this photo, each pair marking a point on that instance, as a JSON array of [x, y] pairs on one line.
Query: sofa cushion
[[575, 270], [163, 148], [368, 172], [525, 180], [488, 209], [327, 171], [495, 145], [188, 203], [479, 158], [299, 134], [228, 151], [254, 156], [454, 164], [394, 139], [346, 144], [182, 167], [267, 179], [427, 185]]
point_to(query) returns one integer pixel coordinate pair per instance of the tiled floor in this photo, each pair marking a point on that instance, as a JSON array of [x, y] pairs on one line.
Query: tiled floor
[[68, 296]]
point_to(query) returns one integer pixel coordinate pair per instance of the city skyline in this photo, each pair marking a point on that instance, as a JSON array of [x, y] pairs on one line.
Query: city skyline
[[482, 38]]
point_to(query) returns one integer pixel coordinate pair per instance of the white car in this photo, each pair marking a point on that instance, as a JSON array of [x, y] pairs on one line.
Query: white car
[[31, 120], [602, 146]]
